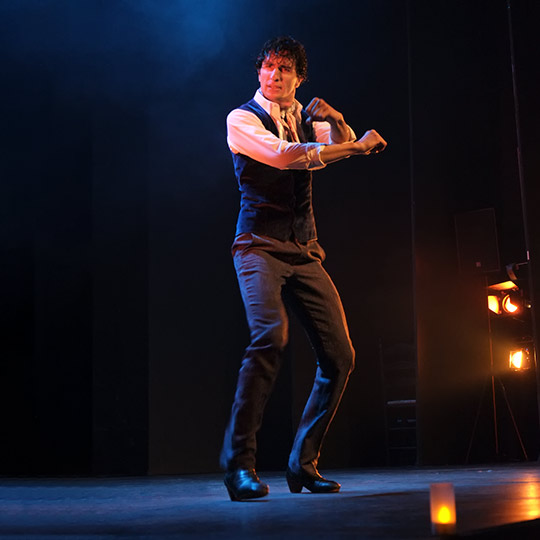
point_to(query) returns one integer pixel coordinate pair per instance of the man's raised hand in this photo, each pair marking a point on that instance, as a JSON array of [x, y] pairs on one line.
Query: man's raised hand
[[371, 143], [320, 111]]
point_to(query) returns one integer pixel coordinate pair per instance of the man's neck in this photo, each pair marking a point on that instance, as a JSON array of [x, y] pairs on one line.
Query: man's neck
[[283, 109], [287, 106]]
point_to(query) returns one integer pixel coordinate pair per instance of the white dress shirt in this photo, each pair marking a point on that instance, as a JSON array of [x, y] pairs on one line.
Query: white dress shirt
[[247, 135]]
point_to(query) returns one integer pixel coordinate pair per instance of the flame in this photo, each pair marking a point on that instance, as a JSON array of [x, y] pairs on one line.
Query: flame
[[444, 515]]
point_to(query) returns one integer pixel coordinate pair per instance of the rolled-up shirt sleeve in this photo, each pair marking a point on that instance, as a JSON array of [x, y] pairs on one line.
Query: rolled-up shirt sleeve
[[247, 135]]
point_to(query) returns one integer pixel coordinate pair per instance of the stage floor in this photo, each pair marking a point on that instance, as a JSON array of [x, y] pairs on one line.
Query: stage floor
[[493, 501]]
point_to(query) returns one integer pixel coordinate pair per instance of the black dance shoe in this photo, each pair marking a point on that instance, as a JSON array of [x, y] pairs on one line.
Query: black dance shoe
[[314, 482], [244, 484]]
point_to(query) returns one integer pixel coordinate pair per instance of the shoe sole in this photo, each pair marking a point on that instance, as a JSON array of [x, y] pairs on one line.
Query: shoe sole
[[247, 496]]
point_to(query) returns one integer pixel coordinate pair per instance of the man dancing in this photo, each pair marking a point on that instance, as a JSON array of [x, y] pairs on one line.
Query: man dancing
[[275, 145]]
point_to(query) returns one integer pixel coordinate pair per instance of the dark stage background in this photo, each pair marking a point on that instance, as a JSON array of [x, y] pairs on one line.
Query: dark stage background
[[123, 328]]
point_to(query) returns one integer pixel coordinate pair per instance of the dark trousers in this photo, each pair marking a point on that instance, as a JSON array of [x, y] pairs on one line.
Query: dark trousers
[[270, 273]]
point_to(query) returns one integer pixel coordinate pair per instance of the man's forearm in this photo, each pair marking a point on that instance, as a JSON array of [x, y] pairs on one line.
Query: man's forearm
[[339, 131], [371, 142], [336, 152]]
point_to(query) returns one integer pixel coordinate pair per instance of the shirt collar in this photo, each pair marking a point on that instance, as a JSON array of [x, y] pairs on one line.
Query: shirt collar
[[274, 110]]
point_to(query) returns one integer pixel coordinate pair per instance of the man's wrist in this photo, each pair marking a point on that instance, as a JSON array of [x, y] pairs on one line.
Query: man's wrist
[[359, 147], [339, 130], [337, 121]]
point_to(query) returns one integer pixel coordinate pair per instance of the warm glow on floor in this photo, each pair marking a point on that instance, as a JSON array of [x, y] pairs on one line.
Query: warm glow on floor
[[531, 494]]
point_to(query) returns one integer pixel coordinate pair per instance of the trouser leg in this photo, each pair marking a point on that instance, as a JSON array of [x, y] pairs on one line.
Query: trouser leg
[[261, 278], [316, 301]]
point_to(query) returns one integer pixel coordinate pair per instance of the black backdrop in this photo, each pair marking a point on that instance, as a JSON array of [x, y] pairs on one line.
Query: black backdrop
[[123, 324]]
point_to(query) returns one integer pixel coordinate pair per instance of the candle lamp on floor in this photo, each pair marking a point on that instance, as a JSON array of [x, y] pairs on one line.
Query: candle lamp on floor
[[443, 509]]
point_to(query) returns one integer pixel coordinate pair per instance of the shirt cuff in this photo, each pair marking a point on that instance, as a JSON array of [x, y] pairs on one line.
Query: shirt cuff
[[315, 160]]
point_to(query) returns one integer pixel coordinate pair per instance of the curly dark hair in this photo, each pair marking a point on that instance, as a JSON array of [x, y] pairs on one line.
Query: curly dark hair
[[287, 47]]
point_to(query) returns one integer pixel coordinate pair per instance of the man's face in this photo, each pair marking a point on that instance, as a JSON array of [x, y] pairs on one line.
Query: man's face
[[279, 79]]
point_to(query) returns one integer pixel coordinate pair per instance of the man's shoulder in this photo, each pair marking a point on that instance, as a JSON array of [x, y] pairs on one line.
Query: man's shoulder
[[249, 109], [241, 113], [250, 106]]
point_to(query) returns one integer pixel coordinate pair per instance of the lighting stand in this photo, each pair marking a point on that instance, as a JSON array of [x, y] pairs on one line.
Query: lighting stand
[[491, 381], [523, 195]]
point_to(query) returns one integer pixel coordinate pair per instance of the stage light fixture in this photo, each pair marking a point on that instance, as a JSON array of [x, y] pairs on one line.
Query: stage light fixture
[[494, 304], [511, 303], [505, 298], [503, 286], [520, 359]]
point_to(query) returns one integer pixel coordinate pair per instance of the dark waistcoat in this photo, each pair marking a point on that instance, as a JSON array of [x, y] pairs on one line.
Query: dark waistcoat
[[274, 202]]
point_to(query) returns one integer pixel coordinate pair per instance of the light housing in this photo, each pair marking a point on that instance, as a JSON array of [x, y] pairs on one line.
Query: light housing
[[494, 304], [505, 298]]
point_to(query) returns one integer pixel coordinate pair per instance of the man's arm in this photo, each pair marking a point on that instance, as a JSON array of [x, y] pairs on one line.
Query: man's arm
[[247, 135], [320, 111], [370, 143], [342, 147]]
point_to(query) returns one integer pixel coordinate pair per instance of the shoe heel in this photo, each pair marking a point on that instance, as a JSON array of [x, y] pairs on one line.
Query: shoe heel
[[295, 485], [232, 495]]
